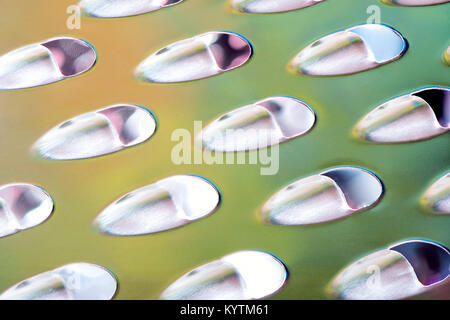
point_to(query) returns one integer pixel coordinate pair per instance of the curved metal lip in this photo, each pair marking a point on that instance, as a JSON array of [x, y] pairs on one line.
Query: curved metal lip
[[112, 274], [432, 107], [392, 4], [374, 175], [250, 46], [199, 142], [430, 242], [116, 280], [90, 45], [177, 83], [332, 292], [109, 271], [397, 57], [423, 203], [404, 40], [219, 202], [63, 77], [284, 264], [305, 104], [44, 191], [264, 221], [364, 141], [37, 155], [86, 15], [232, 9], [280, 261]]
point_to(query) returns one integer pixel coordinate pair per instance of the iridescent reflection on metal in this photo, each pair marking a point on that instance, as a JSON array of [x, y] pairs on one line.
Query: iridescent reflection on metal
[[46, 62], [23, 206], [122, 8], [419, 115], [356, 49], [97, 133], [195, 58], [169, 203], [436, 198], [414, 3], [243, 275], [406, 269], [258, 125], [270, 6], [75, 281], [446, 56], [332, 194]]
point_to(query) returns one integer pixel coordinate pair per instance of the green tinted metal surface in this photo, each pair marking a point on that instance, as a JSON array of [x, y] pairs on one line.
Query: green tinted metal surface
[[145, 265]]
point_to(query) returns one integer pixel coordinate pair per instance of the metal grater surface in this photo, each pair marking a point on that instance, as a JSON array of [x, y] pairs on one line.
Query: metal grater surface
[[146, 264]]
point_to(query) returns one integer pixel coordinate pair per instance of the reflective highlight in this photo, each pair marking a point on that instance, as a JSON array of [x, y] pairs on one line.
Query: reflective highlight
[[75, 281], [195, 58], [97, 133], [414, 3], [259, 125], [169, 203], [243, 275], [419, 115], [332, 194], [270, 6], [446, 56], [406, 269], [46, 62], [23, 206], [356, 49], [436, 198], [121, 8]]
